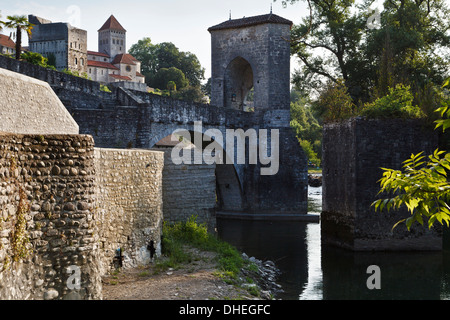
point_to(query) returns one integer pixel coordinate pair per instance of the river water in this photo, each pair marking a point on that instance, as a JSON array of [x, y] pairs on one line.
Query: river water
[[311, 271]]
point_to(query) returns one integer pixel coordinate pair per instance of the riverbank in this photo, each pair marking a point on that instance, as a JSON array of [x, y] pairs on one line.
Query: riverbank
[[194, 264], [200, 279]]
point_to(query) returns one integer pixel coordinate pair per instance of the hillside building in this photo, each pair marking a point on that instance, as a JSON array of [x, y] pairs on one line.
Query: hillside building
[[112, 63], [7, 46], [66, 47]]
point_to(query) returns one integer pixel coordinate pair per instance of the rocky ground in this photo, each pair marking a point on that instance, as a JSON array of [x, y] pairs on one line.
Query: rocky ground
[[198, 280]]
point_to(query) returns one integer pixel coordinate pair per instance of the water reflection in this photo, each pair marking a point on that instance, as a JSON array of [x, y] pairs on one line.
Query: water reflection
[[282, 242], [313, 272]]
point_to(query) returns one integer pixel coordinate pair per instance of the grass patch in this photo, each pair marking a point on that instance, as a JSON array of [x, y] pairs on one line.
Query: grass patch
[[176, 236]]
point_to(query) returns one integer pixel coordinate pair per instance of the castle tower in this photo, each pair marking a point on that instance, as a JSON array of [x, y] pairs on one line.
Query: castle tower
[[112, 38], [252, 53]]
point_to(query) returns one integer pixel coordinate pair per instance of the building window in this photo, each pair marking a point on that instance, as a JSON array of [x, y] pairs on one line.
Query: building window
[[90, 71], [82, 61], [76, 61], [128, 68]]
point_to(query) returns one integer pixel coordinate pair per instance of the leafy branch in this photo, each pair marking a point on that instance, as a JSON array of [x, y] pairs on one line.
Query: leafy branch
[[422, 186]]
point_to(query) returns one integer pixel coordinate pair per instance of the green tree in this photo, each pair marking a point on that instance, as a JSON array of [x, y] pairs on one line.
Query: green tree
[[328, 44], [398, 103], [20, 23], [334, 43], [190, 93], [334, 102], [166, 55], [35, 58], [422, 185], [206, 88], [145, 52], [307, 129], [165, 75]]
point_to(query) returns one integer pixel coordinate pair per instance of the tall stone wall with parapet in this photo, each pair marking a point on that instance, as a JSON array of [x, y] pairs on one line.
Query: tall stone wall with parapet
[[354, 151], [65, 207]]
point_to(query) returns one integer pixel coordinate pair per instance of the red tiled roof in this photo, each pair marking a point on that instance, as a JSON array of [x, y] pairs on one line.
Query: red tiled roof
[[124, 58], [138, 74], [95, 53], [6, 41], [116, 76], [250, 21], [101, 64], [112, 23]]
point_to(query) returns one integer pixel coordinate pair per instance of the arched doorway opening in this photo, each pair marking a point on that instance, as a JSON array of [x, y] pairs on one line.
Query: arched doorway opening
[[238, 82]]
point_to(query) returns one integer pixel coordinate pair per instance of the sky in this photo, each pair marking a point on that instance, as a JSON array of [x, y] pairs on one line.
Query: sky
[[182, 22]]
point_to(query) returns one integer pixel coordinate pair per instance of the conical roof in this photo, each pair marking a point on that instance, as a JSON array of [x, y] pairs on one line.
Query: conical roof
[[113, 24]]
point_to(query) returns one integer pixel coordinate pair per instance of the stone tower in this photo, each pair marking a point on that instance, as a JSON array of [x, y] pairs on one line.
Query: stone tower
[[251, 67], [252, 53], [112, 38]]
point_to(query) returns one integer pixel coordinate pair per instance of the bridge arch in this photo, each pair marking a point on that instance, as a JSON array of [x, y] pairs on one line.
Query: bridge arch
[[228, 187]]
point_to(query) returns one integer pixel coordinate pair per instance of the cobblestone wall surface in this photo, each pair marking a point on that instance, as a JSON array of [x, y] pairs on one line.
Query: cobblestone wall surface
[[47, 221], [130, 204], [66, 206]]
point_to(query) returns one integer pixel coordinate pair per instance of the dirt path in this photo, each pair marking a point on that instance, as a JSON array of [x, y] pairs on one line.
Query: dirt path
[[195, 281]]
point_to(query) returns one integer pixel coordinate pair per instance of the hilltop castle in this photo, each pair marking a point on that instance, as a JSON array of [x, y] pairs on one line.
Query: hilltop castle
[[66, 47]]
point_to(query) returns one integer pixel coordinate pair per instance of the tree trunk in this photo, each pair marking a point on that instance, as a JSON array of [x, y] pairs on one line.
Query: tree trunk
[[18, 42]]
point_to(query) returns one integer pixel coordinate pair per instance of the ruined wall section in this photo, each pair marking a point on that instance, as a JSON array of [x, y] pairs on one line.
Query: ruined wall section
[[354, 151]]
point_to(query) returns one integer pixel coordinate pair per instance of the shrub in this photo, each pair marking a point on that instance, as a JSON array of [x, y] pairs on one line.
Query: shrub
[[36, 59], [335, 103], [398, 103]]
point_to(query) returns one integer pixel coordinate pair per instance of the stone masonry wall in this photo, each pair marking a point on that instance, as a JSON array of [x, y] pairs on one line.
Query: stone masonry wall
[[47, 196], [52, 77], [189, 190], [354, 151], [65, 207], [130, 204], [28, 105]]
